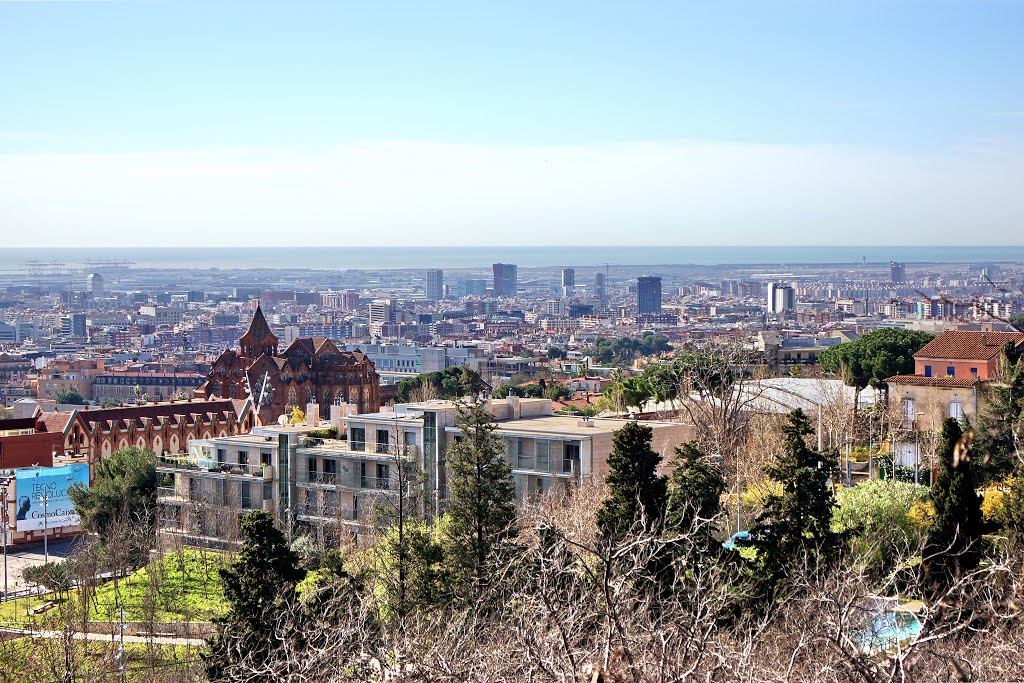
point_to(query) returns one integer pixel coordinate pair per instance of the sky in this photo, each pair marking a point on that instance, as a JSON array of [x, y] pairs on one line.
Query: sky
[[152, 123]]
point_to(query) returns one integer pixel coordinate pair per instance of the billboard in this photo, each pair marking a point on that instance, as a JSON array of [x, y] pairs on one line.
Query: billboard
[[33, 485]]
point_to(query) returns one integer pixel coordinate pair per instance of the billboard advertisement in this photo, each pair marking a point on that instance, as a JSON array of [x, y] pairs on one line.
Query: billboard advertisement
[[37, 488]]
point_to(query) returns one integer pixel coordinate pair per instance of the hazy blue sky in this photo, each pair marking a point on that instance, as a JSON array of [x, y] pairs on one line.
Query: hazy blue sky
[[150, 123]]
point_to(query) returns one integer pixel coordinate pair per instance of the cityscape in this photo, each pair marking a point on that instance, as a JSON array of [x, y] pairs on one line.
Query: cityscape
[[581, 343]]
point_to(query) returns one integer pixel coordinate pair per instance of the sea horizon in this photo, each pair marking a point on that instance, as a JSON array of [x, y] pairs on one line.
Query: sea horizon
[[17, 259]]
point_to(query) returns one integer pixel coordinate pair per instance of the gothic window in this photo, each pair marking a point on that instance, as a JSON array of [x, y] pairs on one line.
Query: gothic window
[[339, 397], [293, 399], [233, 391]]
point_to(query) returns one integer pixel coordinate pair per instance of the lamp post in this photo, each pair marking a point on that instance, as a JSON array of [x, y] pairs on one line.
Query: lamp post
[[4, 483]]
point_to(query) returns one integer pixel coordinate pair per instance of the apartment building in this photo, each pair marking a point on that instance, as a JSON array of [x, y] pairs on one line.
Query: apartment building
[[78, 374], [341, 485]]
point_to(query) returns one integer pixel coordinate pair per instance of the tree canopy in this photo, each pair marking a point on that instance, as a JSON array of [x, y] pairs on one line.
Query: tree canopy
[[636, 492], [481, 505], [954, 540], [622, 350], [877, 355], [450, 383], [123, 491], [70, 397]]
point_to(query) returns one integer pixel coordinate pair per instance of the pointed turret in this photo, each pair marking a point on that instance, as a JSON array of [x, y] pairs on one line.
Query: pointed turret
[[258, 339]]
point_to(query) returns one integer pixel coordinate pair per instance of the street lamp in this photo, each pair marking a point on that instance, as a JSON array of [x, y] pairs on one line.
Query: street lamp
[[4, 483]]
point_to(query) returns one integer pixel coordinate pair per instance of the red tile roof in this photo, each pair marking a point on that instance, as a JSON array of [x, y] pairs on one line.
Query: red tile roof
[[968, 345], [922, 381], [166, 409]]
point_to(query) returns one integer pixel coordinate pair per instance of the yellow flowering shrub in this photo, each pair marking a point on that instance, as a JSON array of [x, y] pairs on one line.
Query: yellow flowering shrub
[[922, 515]]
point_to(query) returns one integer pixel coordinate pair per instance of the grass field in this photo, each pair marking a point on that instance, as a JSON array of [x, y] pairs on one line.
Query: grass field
[[46, 661], [182, 586]]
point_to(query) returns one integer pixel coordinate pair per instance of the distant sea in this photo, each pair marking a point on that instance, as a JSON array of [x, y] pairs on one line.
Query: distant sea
[[373, 258]]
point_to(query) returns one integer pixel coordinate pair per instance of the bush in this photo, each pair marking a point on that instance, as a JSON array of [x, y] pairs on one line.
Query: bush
[[876, 514]]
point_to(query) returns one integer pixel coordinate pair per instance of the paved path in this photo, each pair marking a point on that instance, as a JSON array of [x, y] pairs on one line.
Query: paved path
[[19, 560], [157, 640]]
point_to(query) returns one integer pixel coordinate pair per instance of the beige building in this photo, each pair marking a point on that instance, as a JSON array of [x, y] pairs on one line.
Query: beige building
[[78, 374], [340, 484]]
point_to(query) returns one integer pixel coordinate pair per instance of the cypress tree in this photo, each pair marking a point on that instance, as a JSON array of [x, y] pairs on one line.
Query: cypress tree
[[796, 523], [264, 572], [636, 492], [954, 541], [481, 495], [695, 488]]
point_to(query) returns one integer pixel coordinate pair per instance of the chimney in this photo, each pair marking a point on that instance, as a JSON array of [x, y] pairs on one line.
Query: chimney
[[984, 339]]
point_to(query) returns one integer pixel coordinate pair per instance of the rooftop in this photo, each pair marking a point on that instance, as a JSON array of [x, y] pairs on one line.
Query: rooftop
[[968, 345]]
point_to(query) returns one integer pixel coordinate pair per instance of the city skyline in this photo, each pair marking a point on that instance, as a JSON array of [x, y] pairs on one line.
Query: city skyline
[[768, 123]]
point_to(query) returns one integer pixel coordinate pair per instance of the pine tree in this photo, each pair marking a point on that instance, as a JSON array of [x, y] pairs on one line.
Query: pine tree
[[124, 489], [954, 540], [263, 573], [481, 495], [795, 525], [636, 492]]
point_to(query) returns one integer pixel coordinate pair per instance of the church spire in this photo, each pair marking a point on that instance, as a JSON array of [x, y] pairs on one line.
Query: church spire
[[258, 339]]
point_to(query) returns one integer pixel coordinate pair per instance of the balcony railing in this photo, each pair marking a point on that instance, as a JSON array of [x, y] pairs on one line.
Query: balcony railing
[[368, 447], [167, 492], [265, 472]]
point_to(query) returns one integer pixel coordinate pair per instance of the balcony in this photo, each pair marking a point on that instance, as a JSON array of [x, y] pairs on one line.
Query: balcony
[[191, 464], [367, 449]]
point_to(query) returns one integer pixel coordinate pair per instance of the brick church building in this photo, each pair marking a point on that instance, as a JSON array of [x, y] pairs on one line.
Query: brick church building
[[309, 370]]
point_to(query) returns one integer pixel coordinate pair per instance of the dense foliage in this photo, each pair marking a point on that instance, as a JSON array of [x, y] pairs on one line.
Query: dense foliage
[[954, 541], [877, 355], [623, 350], [1001, 422], [796, 524], [636, 492], [70, 397], [450, 383], [123, 491]]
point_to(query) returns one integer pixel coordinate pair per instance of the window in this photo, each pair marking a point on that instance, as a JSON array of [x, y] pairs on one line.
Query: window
[[543, 448], [382, 441], [311, 469], [245, 495], [974, 373], [951, 371], [330, 471], [222, 456], [908, 413], [383, 475], [927, 371], [410, 438], [571, 459], [265, 457], [268, 491], [357, 439], [243, 458], [956, 410]]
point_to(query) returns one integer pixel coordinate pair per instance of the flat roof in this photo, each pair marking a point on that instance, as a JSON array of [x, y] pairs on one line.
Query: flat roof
[[571, 424]]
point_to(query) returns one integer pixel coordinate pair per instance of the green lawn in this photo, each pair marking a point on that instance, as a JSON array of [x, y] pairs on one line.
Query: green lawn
[[183, 586]]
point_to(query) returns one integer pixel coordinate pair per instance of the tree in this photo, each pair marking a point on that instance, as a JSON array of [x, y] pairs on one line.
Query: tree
[[554, 353], [873, 358], [70, 397], [262, 576], [298, 415], [450, 383], [123, 489], [1001, 422], [954, 540], [796, 523], [481, 497], [695, 489], [636, 492]]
